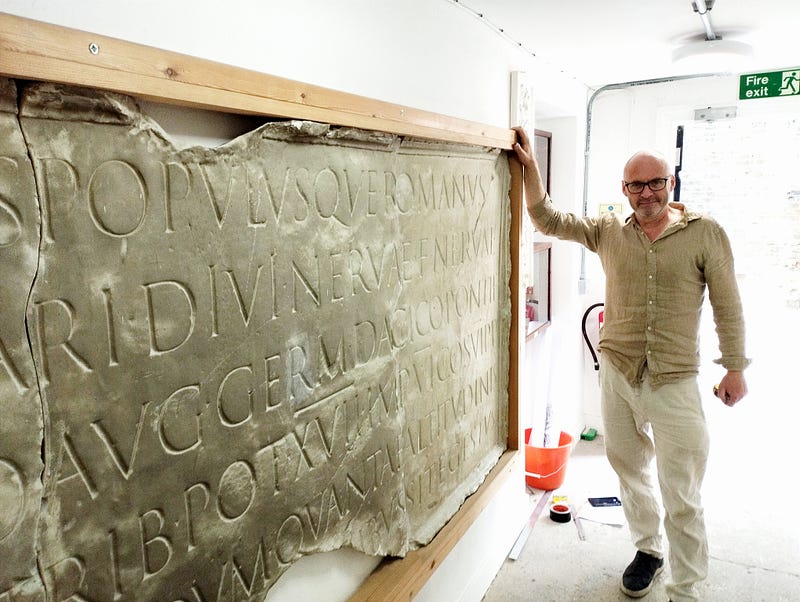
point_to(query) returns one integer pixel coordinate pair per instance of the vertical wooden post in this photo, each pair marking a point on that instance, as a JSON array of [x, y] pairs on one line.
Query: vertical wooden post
[[516, 337]]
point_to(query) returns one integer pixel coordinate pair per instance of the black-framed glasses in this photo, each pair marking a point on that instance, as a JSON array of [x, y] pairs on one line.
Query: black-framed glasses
[[655, 185]]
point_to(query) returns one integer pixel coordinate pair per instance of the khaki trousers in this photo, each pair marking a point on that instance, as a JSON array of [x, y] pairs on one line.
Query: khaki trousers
[[667, 423]]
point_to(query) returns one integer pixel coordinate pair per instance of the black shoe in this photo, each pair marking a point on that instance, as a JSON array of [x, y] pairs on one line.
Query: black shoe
[[637, 580]]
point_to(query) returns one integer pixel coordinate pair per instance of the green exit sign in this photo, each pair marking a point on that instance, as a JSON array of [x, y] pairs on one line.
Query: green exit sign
[[769, 85]]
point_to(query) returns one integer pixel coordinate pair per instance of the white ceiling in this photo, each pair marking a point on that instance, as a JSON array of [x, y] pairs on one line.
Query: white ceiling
[[600, 42]]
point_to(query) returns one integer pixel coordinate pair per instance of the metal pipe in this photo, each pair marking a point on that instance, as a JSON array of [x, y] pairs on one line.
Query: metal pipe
[[705, 18]]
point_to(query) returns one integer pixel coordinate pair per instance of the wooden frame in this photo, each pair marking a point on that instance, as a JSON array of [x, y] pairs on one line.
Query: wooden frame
[[34, 50], [40, 51]]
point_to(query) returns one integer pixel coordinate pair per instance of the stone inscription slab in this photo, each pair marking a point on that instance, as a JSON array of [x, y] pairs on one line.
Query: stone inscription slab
[[215, 361]]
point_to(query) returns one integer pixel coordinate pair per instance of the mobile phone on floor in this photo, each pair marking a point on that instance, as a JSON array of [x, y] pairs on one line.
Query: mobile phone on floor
[[605, 501]]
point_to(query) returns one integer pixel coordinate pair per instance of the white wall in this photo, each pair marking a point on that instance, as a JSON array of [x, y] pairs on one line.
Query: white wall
[[427, 54]]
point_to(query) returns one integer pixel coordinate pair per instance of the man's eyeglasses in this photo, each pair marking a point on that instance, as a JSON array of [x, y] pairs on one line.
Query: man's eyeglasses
[[655, 185]]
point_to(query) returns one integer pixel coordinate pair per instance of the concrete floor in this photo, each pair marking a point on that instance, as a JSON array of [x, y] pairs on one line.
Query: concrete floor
[[751, 500]]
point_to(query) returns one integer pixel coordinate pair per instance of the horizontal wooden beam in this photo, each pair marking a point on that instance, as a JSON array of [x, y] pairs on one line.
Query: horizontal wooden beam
[[40, 51]]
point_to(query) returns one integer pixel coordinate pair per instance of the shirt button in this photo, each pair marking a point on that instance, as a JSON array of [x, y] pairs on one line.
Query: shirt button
[[650, 302], [650, 276], [649, 328]]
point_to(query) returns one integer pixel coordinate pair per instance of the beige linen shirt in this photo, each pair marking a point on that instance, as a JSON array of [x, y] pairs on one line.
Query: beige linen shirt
[[655, 290]]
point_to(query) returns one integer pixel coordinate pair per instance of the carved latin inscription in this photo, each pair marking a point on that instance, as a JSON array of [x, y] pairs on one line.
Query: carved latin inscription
[[292, 343]]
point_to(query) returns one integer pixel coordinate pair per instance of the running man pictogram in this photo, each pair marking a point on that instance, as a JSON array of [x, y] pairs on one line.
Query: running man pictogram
[[790, 83]]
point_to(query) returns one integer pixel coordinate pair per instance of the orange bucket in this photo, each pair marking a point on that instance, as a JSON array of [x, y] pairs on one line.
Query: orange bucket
[[546, 467]]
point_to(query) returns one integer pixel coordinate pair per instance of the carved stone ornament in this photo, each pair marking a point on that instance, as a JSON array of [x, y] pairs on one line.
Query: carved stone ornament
[[215, 361]]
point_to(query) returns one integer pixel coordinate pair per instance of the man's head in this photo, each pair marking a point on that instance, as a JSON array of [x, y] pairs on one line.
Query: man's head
[[643, 172]]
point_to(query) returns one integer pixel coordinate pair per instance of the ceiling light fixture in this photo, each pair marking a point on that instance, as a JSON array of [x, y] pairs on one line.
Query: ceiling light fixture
[[713, 54], [719, 48]]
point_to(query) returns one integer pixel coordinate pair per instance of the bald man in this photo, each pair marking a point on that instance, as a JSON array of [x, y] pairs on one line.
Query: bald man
[[659, 262]]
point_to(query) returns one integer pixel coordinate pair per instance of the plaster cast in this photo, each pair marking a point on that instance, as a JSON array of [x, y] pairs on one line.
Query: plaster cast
[[289, 344]]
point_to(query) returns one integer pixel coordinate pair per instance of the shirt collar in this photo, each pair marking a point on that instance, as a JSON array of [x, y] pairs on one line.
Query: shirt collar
[[688, 215]]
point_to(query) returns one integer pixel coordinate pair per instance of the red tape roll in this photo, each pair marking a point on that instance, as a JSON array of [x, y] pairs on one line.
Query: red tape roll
[[560, 513]]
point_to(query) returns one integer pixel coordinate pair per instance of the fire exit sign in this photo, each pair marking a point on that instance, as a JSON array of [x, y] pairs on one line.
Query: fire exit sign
[[769, 85]]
